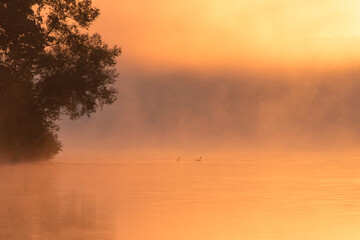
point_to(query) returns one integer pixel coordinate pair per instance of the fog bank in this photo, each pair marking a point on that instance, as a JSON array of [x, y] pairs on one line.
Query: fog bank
[[232, 111]]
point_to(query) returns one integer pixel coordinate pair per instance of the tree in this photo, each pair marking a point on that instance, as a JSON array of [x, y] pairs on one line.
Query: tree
[[50, 66]]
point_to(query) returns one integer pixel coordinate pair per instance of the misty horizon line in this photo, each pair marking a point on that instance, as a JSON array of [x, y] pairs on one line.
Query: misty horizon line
[[184, 109]]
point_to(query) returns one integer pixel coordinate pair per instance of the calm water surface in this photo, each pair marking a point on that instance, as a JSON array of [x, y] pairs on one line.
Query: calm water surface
[[253, 197]]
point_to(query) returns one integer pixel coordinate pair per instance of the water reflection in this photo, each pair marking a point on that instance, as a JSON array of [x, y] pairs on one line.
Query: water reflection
[[37, 201], [253, 197]]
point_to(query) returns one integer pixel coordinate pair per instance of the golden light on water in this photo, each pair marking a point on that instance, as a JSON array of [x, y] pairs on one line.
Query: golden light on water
[[247, 196], [265, 91]]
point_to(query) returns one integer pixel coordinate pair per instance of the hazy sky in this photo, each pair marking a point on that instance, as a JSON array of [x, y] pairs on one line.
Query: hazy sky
[[196, 73], [233, 33]]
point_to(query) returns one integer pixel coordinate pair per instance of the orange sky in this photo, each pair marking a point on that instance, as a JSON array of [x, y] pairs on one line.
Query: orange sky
[[197, 72], [229, 33]]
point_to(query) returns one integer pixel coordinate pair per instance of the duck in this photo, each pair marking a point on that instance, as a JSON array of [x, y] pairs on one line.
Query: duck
[[198, 159]]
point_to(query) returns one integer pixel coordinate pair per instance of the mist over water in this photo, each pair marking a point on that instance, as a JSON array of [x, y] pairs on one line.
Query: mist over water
[[228, 76], [264, 93], [227, 111]]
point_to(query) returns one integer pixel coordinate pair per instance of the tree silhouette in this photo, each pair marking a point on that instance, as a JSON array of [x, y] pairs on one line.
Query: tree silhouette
[[50, 66]]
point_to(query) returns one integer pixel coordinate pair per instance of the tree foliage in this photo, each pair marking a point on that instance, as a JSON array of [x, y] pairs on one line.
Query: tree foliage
[[50, 66]]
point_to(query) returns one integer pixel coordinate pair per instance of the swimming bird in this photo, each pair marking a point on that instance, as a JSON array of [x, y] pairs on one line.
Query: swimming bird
[[198, 159]]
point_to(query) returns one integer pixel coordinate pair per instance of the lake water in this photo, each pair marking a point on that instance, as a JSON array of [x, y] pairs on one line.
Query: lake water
[[293, 196]]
